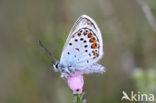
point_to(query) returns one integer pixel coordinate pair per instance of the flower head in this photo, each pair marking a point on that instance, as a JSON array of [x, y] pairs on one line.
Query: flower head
[[75, 83]]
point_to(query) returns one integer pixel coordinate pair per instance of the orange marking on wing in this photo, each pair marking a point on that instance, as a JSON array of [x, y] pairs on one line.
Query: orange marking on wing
[[79, 33], [95, 54], [94, 46], [92, 40], [85, 33], [89, 35]]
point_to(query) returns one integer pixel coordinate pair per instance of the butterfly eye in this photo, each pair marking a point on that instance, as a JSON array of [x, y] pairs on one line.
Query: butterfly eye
[[57, 65]]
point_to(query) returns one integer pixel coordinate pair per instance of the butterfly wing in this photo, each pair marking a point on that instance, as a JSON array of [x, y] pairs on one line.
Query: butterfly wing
[[84, 44], [94, 68]]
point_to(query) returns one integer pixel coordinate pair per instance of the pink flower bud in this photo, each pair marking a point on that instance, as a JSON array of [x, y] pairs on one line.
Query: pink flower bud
[[75, 83]]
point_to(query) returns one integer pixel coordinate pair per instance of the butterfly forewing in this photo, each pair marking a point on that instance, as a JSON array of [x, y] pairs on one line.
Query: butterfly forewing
[[83, 46]]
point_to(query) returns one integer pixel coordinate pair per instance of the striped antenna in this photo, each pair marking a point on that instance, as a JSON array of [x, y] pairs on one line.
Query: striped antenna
[[46, 50]]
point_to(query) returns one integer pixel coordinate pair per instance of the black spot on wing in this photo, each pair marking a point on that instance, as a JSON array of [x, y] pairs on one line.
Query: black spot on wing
[[68, 53], [70, 44], [77, 49], [76, 40], [87, 61], [81, 39], [86, 46], [89, 54]]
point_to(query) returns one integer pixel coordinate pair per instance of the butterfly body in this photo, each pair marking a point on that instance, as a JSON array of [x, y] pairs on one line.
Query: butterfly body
[[83, 48]]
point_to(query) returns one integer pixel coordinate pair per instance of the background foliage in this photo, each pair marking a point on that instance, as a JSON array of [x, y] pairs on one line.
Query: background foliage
[[25, 71]]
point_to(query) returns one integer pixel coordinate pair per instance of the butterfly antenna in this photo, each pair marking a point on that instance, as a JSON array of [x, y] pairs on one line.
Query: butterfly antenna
[[46, 50]]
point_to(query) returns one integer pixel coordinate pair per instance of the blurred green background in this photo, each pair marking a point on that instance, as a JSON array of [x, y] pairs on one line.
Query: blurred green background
[[25, 70]]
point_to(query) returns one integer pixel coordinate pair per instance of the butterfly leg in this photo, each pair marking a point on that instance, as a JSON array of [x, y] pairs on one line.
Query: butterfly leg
[[65, 72]]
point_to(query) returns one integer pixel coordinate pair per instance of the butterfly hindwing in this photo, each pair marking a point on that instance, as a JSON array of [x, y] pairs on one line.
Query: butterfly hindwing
[[83, 46]]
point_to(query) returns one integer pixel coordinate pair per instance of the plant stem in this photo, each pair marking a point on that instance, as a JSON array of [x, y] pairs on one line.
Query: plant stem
[[79, 98]]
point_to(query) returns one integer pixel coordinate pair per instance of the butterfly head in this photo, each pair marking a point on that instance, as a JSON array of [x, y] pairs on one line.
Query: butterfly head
[[56, 66], [65, 71]]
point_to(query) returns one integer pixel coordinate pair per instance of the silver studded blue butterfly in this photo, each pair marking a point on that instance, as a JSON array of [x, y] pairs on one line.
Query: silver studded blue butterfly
[[83, 48]]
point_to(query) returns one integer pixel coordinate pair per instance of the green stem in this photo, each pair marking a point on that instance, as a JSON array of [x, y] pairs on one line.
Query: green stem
[[79, 98]]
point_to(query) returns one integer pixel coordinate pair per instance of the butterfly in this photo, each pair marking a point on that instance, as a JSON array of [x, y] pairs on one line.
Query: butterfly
[[82, 50]]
